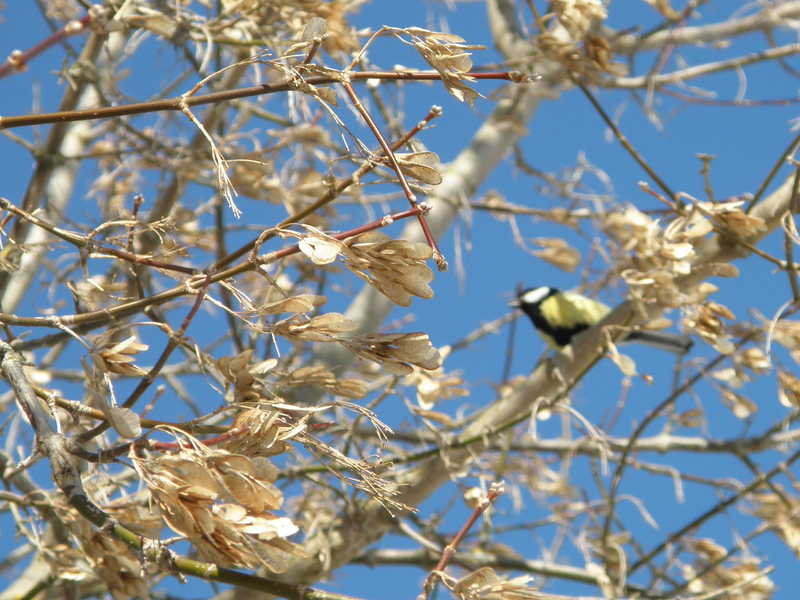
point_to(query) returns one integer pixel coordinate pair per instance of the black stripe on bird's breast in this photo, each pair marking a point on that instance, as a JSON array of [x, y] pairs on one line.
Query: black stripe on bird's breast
[[563, 335]]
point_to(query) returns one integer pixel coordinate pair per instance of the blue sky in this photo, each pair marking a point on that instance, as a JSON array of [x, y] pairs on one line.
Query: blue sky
[[746, 142]]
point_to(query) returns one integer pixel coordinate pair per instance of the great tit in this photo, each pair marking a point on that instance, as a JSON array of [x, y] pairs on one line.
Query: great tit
[[559, 316]]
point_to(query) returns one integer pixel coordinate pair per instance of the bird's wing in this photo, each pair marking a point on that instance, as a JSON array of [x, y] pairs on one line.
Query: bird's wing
[[573, 310]]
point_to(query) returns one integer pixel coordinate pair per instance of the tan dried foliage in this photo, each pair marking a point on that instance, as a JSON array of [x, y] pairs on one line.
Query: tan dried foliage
[[558, 253], [782, 514], [654, 259], [788, 389], [328, 327], [322, 377], [11, 256], [399, 353], [62, 10], [733, 376], [578, 16], [119, 358], [97, 557], [94, 292], [366, 476], [740, 580], [755, 360], [741, 406], [301, 303], [543, 481], [395, 267], [447, 53], [690, 418], [320, 248], [134, 510], [152, 20], [422, 166], [787, 333], [251, 173], [239, 371], [486, 584], [706, 320], [255, 19], [657, 258], [436, 385], [222, 503], [731, 219], [261, 431], [327, 96], [585, 53]]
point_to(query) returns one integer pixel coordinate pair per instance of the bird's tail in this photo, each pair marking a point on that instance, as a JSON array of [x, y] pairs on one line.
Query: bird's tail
[[674, 342]]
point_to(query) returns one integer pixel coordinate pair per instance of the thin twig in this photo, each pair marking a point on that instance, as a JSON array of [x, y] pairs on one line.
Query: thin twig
[[438, 257], [176, 104], [449, 551], [624, 141]]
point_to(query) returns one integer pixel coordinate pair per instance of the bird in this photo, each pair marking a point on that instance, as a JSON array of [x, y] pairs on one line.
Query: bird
[[560, 316]]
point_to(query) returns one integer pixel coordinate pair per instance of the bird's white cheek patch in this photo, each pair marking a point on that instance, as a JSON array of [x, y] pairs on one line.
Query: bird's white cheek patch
[[534, 296]]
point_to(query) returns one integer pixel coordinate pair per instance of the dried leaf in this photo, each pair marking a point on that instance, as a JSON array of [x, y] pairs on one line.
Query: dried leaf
[[119, 357], [323, 328], [296, 304], [484, 584], [423, 166], [221, 502], [755, 360], [788, 389], [398, 351], [321, 250], [395, 267], [435, 416], [577, 16], [447, 54], [124, 421], [740, 406], [558, 253]]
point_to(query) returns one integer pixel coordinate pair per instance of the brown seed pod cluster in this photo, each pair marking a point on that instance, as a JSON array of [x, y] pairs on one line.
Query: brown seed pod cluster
[[223, 503]]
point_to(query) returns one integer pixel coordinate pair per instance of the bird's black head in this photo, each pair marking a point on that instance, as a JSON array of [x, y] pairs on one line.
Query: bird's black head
[[549, 319], [529, 301]]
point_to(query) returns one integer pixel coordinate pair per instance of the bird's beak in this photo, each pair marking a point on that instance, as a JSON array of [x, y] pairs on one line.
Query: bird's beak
[[514, 303]]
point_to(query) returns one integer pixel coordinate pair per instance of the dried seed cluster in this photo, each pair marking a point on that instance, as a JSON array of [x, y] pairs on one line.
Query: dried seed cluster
[[486, 584], [322, 377], [118, 358], [97, 556], [581, 51], [435, 385], [395, 267], [397, 352], [222, 503], [741, 580]]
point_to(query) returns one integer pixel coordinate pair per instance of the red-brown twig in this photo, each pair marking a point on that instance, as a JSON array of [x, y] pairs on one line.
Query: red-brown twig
[[83, 321], [150, 376], [330, 195], [82, 241], [441, 263], [17, 60], [449, 551], [180, 102]]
